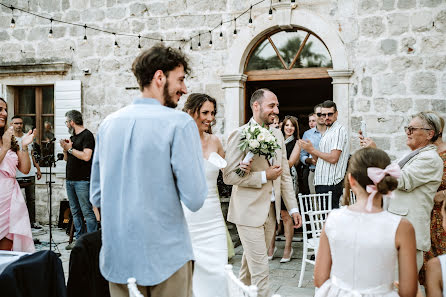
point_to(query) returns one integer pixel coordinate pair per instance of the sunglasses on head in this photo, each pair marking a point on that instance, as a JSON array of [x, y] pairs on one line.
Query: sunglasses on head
[[330, 114]]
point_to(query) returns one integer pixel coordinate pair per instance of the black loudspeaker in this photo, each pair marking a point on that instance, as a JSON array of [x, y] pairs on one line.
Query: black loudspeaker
[[64, 214]]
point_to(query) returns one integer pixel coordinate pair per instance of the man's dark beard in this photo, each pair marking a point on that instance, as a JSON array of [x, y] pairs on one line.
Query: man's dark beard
[[167, 98], [71, 131], [265, 120]]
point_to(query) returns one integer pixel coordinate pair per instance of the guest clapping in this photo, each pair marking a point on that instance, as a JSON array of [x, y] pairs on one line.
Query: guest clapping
[[422, 170]]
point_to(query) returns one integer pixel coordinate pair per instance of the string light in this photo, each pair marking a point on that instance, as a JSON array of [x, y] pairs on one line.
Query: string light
[[85, 35], [85, 39], [199, 40], [270, 12], [210, 38], [250, 18], [293, 4], [12, 25], [116, 43], [235, 28], [191, 44], [220, 36], [50, 33]]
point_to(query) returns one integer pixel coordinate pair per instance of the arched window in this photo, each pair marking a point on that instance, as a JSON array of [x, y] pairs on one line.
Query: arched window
[[288, 54]]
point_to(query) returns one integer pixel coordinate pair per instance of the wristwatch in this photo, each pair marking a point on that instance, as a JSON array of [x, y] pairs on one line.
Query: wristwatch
[[70, 151]]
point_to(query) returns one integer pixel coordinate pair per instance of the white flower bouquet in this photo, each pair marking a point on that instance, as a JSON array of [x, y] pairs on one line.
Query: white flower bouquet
[[258, 141]]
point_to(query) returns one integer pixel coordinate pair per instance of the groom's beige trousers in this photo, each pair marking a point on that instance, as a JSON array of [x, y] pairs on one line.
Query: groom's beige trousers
[[255, 241]]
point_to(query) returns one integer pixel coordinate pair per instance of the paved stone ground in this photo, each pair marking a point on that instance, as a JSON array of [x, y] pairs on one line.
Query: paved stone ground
[[283, 277]]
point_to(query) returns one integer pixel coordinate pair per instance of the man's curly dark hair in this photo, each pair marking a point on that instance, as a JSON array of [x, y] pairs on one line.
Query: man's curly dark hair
[[157, 58]]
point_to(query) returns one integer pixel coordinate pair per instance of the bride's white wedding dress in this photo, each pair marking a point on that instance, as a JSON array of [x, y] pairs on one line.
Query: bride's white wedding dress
[[208, 234]]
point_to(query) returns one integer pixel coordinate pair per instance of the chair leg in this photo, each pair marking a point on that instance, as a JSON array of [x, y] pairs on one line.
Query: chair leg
[[71, 232], [302, 269]]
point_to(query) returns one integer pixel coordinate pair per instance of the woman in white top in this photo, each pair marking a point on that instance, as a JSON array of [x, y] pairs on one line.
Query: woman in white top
[[360, 244], [207, 226]]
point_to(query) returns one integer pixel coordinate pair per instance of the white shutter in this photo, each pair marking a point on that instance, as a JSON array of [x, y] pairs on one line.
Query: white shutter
[[67, 96]]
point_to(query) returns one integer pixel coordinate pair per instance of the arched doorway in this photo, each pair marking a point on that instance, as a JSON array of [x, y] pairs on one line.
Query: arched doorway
[[234, 77], [294, 64]]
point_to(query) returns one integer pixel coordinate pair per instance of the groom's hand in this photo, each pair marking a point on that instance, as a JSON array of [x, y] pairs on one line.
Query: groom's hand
[[273, 172], [297, 219]]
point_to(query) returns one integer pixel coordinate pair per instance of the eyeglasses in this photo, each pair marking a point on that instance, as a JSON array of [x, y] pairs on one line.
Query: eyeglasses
[[410, 129], [330, 114]]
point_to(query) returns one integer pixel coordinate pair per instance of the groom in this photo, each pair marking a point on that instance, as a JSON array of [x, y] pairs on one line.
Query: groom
[[256, 197]]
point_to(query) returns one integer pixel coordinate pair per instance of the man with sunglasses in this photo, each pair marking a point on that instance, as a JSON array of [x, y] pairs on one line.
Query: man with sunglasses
[[332, 155], [313, 135]]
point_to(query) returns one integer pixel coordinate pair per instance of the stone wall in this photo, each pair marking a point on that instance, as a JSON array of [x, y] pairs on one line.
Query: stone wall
[[397, 50]]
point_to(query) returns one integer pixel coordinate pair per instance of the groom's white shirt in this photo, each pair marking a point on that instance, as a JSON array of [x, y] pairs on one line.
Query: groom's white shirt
[[264, 180]]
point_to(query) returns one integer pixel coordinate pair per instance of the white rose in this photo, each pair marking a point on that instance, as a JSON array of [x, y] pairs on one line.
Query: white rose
[[270, 138], [261, 137], [254, 144]]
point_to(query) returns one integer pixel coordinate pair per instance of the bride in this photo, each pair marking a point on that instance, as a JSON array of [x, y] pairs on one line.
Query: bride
[[206, 226]]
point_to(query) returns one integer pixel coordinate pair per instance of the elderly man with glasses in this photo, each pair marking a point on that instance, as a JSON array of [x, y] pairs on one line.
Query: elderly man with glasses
[[332, 156], [422, 170]]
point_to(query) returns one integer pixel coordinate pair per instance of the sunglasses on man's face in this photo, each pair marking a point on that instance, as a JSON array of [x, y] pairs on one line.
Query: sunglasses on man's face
[[330, 114]]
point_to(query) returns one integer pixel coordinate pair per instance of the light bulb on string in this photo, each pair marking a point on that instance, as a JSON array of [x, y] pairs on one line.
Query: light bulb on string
[[250, 18], [220, 36], [12, 24], [139, 41], [191, 44], [270, 12], [293, 4], [84, 41], [116, 43], [199, 41], [210, 38], [235, 28], [50, 33]]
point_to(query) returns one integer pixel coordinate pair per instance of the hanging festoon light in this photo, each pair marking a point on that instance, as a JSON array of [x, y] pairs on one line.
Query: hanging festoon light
[[220, 36], [191, 48], [116, 43], [139, 41], [250, 18], [293, 4], [210, 38], [199, 40], [50, 33], [85, 35], [270, 12], [12, 24], [235, 28]]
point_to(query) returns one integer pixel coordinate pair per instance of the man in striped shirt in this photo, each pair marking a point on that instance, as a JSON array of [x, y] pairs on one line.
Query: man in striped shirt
[[332, 156]]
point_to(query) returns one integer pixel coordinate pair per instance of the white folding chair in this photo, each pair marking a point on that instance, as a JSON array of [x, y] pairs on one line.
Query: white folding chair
[[235, 287], [133, 289], [312, 207]]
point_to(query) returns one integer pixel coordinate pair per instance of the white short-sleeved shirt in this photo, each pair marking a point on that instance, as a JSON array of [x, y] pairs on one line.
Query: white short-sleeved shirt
[[335, 138]]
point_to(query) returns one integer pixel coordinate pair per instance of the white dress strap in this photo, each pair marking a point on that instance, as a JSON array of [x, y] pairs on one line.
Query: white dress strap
[[442, 259]]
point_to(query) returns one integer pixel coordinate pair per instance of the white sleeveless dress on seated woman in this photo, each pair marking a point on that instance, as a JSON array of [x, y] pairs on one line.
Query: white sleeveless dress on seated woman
[[208, 235], [363, 254]]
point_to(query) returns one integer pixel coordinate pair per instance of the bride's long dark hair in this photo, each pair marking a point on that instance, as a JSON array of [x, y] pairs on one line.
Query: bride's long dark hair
[[14, 145], [194, 103]]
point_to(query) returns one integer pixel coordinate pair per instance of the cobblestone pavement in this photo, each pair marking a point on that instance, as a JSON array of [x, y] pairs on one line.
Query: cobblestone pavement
[[284, 277]]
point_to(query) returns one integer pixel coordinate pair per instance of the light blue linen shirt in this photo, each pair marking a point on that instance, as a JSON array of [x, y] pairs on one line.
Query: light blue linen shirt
[[314, 136], [148, 158]]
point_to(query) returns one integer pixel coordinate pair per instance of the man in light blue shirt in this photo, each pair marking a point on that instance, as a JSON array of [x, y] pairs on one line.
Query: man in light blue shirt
[[314, 135], [148, 160]]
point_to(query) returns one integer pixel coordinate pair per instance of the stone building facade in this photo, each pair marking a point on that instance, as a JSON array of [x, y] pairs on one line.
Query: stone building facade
[[388, 58]]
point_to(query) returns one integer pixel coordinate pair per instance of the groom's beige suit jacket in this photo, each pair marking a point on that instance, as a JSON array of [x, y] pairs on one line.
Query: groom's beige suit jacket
[[251, 200]]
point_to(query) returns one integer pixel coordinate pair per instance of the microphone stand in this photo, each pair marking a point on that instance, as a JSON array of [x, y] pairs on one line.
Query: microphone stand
[[50, 161]]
